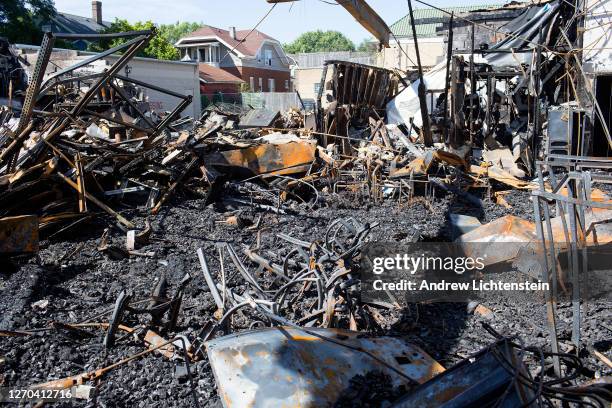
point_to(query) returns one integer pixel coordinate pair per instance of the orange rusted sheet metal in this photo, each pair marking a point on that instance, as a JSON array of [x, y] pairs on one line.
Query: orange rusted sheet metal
[[422, 165], [272, 159], [154, 340], [500, 240], [19, 234], [505, 238], [289, 367], [504, 229]]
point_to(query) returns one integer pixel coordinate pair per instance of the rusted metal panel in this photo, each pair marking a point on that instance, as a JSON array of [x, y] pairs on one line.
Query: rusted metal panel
[[288, 158], [500, 240], [19, 234], [482, 381], [289, 367]]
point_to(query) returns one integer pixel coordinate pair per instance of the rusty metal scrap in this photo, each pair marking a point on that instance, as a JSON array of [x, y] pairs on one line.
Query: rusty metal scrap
[[19, 234], [73, 145], [268, 159], [308, 367], [287, 324]]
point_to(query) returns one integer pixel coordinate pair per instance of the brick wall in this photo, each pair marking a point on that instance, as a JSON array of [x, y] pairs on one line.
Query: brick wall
[[265, 74], [212, 88]]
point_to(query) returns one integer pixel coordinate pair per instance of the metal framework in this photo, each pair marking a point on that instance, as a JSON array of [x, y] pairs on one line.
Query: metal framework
[[38, 90], [575, 175]]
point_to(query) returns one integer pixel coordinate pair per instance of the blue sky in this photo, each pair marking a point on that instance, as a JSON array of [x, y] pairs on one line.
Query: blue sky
[[285, 23]]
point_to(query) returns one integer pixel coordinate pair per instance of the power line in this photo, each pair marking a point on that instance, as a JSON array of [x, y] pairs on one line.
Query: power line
[[250, 32]]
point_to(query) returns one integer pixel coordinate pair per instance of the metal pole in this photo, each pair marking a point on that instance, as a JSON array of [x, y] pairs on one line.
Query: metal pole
[[449, 54], [42, 60], [472, 85], [427, 138]]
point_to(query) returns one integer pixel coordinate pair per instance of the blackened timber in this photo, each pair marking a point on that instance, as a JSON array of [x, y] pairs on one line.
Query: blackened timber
[[319, 116], [348, 84], [117, 121], [59, 127], [170, 117], [128, 100]]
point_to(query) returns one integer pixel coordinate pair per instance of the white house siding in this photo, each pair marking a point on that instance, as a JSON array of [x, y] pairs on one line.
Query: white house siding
[[278, 63], [180, 77], [431, 50]]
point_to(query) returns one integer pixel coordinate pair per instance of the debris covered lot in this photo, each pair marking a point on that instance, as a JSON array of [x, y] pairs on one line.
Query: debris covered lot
[[153, 259], [87, 285]]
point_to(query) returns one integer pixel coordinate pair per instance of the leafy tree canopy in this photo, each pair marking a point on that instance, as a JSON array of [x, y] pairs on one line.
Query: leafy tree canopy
[[160, 47], [320, 41], [174, 32], [18, 19], [367, 46]]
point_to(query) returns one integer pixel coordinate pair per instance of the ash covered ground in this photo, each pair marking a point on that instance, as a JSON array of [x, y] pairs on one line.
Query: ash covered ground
[[84, 285]]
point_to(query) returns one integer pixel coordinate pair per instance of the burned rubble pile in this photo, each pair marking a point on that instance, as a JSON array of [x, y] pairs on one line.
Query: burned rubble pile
[[159, 260]]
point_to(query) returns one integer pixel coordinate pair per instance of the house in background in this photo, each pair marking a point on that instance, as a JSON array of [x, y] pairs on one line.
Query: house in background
[[230, 58], [215, 81], [70, 23]]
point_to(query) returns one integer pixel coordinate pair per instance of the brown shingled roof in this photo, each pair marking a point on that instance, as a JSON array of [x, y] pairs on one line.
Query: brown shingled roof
[[248, 46], [213, 74]]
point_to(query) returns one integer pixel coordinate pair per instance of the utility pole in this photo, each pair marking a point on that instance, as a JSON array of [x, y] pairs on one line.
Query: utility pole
[[472, 86], [426, 128], [449, 55]]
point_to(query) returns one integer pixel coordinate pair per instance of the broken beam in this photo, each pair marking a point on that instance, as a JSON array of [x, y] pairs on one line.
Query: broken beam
[[365, 15]]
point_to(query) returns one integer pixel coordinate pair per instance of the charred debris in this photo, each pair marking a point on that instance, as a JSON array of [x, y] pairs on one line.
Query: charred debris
[[282, 322]]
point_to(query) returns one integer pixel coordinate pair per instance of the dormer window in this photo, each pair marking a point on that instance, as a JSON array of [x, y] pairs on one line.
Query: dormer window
[[268, 57], [209, 54]]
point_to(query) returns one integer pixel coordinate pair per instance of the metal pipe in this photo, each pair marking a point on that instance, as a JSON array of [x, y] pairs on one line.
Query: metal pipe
[[71, 36], [209, 280], [427, 138]]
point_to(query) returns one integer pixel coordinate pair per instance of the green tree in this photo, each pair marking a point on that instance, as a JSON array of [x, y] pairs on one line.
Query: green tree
[[319, 41], [18, 19], [159, 47], [174, 32], [367, 46]]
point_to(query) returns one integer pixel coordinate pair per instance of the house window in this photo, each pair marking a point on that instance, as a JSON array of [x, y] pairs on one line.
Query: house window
[[252, 84], [260, 84], [268, 59], [213, 54], [271, 85], [287, 85], [317, 88], [202, 55]]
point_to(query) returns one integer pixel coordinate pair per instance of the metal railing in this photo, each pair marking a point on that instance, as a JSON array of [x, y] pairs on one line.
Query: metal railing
[[570, 190]]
